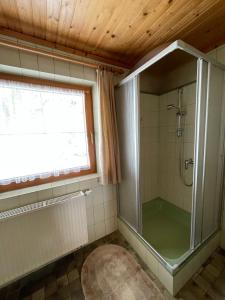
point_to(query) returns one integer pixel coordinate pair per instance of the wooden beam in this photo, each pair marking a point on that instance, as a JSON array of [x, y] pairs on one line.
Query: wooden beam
[[69, 50]]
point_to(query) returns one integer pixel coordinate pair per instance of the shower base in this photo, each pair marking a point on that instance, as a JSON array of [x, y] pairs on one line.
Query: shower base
[[166, 228]]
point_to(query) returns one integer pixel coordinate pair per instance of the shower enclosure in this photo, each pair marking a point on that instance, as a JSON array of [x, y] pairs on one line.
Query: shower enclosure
[[171, 134]]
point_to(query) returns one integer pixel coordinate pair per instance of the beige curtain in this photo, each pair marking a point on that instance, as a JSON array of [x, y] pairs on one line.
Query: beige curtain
[[109, 145]]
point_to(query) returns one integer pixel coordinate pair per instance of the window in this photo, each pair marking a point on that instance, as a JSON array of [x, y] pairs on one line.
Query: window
[[46, 132]]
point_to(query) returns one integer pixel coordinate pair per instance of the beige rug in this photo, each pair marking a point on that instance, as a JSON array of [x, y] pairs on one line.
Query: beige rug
[[110, 272]]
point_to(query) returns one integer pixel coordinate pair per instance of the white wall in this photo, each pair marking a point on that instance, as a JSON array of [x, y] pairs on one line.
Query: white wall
[[101, 204]]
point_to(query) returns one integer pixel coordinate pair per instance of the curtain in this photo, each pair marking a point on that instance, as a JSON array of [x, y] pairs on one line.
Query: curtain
[[109, 144], [42, 132]]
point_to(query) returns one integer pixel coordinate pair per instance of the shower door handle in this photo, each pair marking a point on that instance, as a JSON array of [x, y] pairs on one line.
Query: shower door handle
[[188, 162]]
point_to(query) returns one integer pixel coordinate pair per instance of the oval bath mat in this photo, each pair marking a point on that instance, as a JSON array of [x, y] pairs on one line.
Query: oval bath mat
[[111, 272]]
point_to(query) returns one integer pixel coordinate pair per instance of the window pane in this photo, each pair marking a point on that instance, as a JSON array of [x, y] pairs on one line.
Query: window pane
[[42, 131]]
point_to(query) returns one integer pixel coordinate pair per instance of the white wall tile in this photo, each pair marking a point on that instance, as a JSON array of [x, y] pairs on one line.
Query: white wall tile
[[59, 191], [9, 56], [73, 187], [171, 188], [90, 215], [46, 64], [213, 53], [108, 193], [28, 198], [99, 214], [100, 230], [221, 55], [91, 233], [28, 60], [89, 200], [62, 68], [110, 209], [90, 74], [98, 196], [111, 225], [76, 71], [44, 195], [163, 102], [9, 203]]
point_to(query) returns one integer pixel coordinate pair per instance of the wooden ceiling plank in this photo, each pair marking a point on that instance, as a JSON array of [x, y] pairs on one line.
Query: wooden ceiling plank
[[3, 18], [204, 28], [97, 24], [39, 17], [78, 22], [192, 17], [124, 28], [9, 10], [160, 25], [65, 20], [109, 38], [111, 19], [115, 30], [92, 12], [53, 13], [24, 9], [191, 20], [169, 32]]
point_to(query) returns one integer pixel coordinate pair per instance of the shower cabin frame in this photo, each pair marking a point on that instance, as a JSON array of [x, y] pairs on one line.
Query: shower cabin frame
[[204, 68]]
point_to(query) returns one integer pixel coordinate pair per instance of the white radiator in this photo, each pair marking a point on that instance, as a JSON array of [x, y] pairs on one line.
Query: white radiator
[[36, 234]]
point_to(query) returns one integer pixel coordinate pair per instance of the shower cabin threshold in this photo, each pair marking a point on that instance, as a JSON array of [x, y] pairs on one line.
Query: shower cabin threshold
[[125, 227], [173, 277]]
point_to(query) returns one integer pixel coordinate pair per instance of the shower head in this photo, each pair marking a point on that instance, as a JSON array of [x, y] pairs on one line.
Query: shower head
[[172, 106]]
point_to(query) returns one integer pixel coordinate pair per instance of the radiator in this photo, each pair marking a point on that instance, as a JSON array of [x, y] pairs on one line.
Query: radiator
[[37, 234]]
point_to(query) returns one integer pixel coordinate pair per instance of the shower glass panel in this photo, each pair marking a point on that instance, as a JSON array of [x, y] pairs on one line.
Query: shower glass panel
[[208, 152], [213, 157], [167, 153], [127, 106]]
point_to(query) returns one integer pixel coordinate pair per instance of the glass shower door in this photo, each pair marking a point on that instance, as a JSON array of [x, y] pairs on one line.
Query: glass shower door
[[213, 156], [127, 107], [208, 153]]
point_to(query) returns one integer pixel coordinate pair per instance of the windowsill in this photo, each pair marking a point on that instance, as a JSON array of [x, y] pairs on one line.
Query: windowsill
[[46, 186]]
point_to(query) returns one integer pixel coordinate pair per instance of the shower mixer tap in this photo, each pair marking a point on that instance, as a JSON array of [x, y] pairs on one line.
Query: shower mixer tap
[[188, 162]]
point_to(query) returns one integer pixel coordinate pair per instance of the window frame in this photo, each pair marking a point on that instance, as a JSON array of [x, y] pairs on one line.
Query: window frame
[[89, 125]]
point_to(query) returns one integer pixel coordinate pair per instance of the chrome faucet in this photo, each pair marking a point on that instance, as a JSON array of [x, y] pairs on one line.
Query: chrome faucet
[[188, 162]]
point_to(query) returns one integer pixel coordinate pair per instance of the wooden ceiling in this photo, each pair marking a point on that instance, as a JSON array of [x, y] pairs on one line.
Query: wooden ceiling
[[115, 31]]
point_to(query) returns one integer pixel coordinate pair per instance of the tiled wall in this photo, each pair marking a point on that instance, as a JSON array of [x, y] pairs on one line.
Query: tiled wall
[[219, 55], [171, 186], [149, 146], [160, 147], [101, 203]]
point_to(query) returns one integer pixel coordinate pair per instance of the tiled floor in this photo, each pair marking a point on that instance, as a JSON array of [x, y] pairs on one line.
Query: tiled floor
[[209, 282], [61, 280]]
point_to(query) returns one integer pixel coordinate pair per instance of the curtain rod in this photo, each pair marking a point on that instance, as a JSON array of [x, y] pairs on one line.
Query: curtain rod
[[58, 56]]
